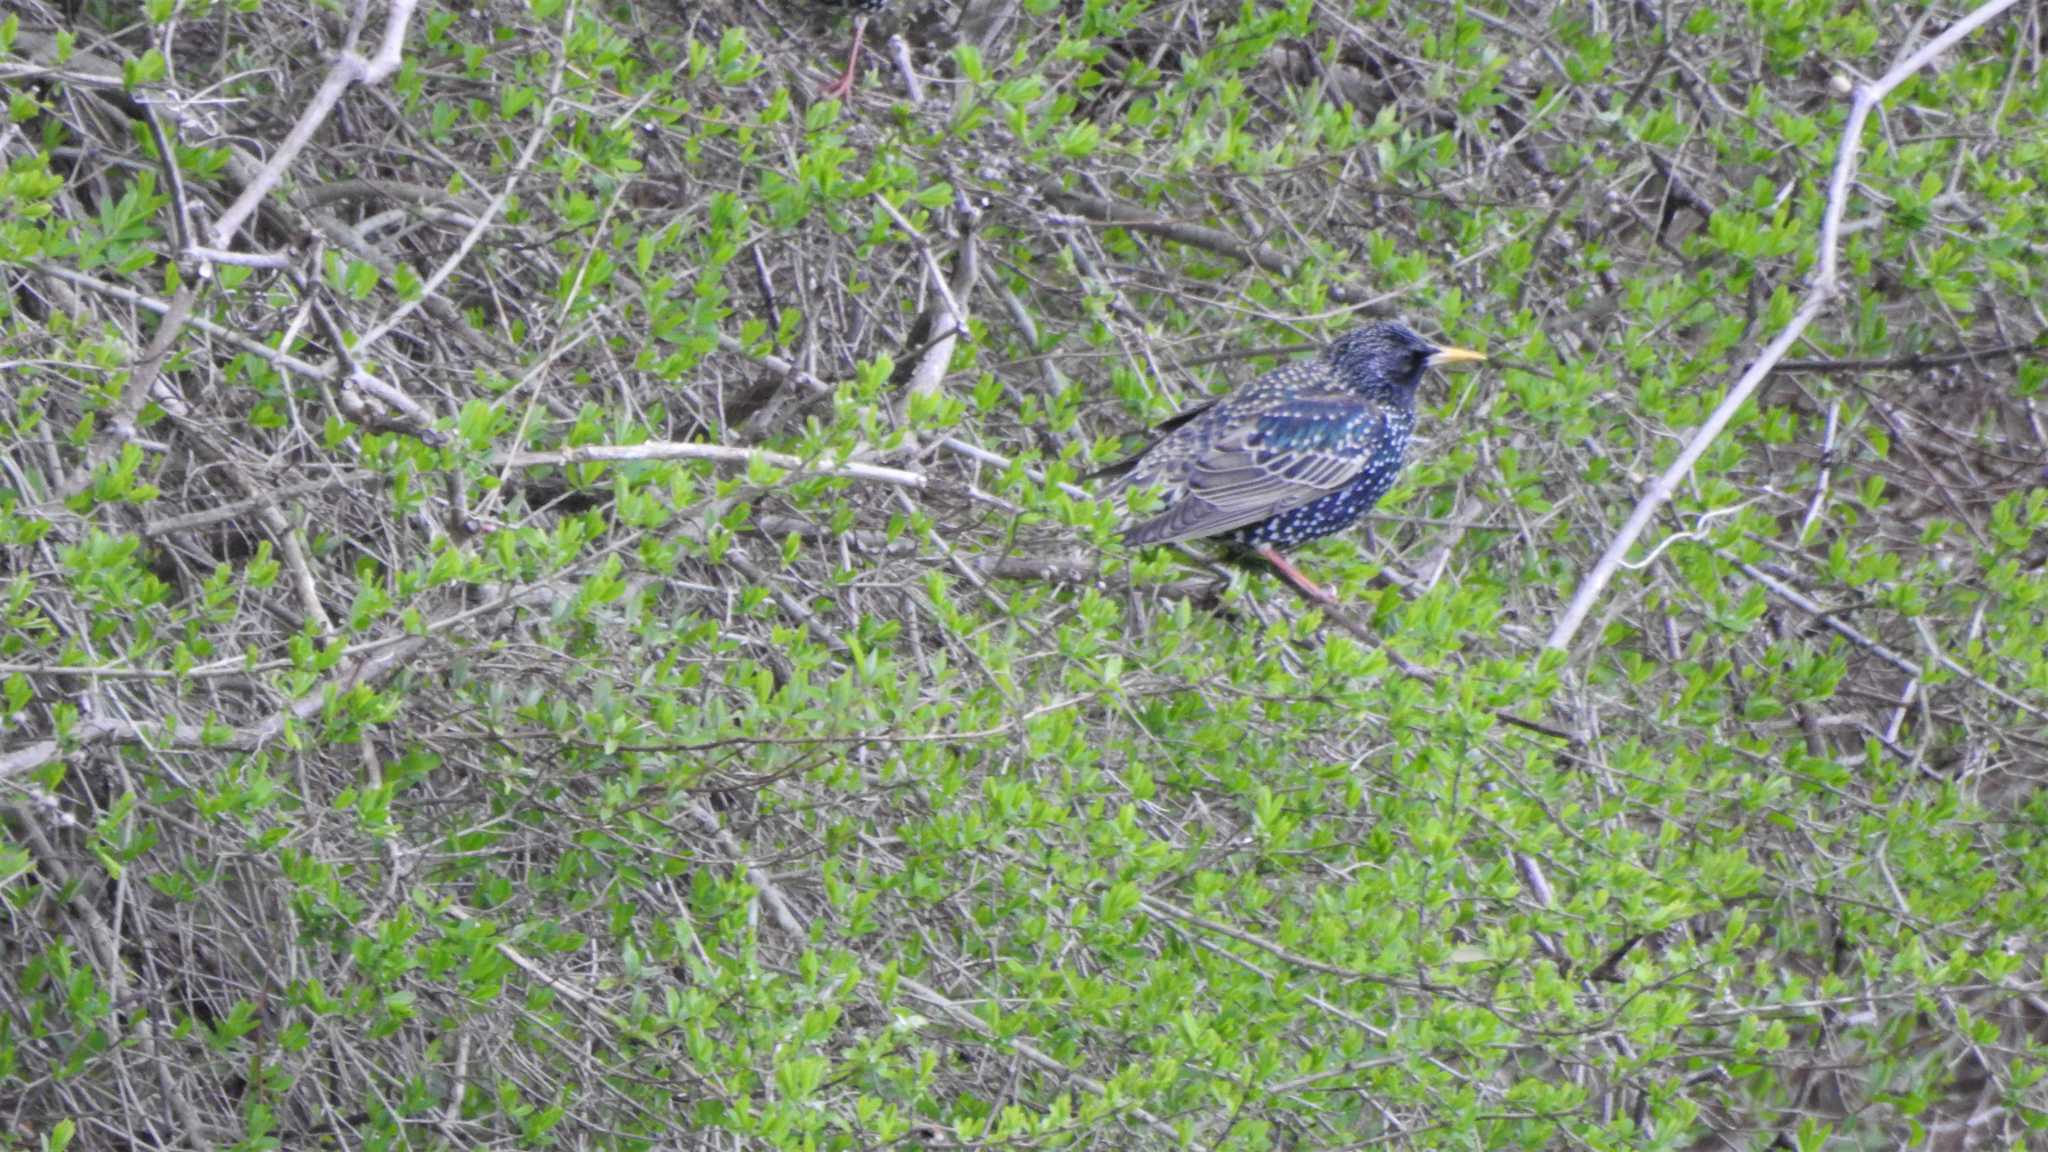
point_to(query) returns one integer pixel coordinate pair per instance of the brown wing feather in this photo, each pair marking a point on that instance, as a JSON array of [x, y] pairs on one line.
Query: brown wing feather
[[1177, 439], [1122, 468], [1268, 461]]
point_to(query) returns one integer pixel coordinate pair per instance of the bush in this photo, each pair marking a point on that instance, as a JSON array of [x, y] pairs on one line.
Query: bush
[[554, 607]]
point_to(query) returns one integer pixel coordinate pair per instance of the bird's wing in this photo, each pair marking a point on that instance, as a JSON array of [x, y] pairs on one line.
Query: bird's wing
[[1174, 441], [1264, 460], [1118, 471]]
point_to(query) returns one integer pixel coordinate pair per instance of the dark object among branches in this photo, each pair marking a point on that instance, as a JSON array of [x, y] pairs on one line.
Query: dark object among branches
[[1298, 454]]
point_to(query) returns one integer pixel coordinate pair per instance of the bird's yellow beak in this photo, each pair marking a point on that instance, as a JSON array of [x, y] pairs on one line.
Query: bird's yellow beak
[[1443, 357]]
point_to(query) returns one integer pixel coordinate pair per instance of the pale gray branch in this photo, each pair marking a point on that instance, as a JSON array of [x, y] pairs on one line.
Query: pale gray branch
[[719, 453], [1820, 292]]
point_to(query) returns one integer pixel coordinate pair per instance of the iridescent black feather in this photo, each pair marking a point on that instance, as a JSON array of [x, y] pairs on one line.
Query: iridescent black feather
[[1298, 454]]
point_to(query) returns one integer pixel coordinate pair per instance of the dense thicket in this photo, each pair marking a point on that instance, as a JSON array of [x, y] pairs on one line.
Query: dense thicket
[[546, 601]]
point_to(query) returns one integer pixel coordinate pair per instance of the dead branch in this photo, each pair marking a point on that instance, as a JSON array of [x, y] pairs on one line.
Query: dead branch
[[718, 453], [1820, 293]]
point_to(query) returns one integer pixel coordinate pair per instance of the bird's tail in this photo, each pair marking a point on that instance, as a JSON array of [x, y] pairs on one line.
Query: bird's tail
[[1115, 472]]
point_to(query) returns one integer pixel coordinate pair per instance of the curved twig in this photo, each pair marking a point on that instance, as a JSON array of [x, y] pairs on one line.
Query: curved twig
[[1820, 292]]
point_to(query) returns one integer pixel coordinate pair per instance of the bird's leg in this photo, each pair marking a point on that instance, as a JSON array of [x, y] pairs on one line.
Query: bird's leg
[[841, 88], [1292, 575]]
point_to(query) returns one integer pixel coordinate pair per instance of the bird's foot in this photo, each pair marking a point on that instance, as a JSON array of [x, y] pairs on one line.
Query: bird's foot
[[841, 88], [1293, 576]]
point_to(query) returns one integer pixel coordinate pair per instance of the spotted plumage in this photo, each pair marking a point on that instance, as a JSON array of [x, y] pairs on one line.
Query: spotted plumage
[[1298, 454]]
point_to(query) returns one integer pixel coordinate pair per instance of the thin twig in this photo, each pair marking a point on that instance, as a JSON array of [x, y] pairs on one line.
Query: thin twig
[[720, 453], [947, 317], [961, 447], [86, 733], [1820, 292], [239, 508], [1827, 471], [542, 131], [349, 69], [1267, 259], [1914, 361], [1903, 663]]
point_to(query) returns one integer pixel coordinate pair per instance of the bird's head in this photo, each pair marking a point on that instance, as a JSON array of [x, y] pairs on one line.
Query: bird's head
[[1386, 361]]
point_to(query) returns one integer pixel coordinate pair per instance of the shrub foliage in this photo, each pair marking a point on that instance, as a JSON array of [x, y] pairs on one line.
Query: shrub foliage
[[547, 601]]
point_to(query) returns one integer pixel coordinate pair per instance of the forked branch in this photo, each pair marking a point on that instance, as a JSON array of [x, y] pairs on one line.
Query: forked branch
[[1820, 292]]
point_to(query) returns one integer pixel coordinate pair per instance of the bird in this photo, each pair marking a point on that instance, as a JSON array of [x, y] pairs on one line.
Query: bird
[[841, 88], [1296, 455]]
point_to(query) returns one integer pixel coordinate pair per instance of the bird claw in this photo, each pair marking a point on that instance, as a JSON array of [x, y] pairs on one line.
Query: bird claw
[[1293, 576], [841, 88], [1315, 593]]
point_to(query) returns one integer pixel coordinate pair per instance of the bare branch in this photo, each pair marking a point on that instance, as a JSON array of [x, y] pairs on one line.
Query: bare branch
[[88, 733], [669, 450], [348, 70], [1820, 293]]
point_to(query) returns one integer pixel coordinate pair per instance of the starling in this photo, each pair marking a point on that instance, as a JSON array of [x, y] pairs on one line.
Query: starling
[[841, 88], [1298, 454]]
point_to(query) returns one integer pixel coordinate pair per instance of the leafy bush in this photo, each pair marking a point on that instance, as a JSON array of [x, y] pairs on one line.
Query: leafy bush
[[553, 608]]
